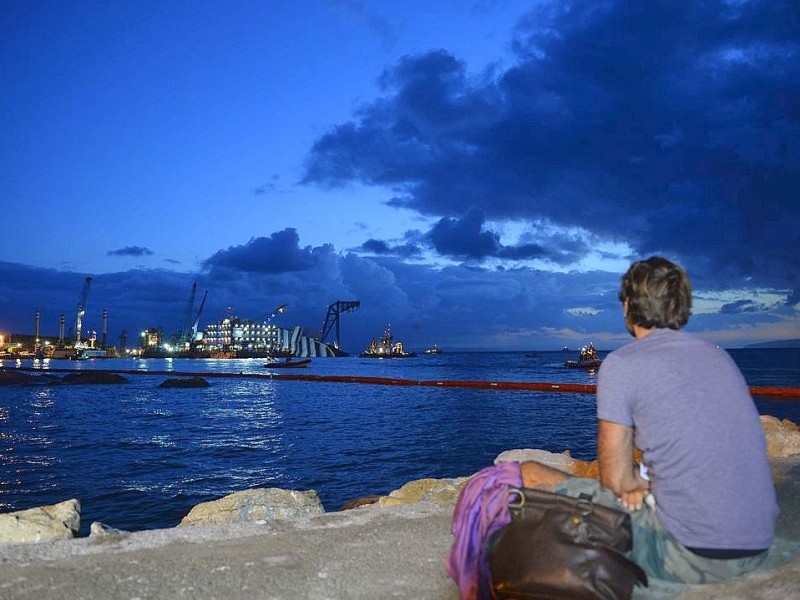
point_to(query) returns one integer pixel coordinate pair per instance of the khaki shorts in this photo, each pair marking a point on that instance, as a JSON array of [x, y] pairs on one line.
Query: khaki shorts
[[654, 548]]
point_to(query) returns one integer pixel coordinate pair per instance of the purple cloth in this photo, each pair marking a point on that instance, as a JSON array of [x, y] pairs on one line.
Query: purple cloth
[[480, 511]]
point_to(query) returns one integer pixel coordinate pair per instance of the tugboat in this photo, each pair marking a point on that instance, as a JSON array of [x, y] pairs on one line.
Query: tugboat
[[386, 348], [587, 358]]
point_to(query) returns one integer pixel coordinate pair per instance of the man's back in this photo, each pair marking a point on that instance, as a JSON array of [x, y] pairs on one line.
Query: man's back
[[701, 438]]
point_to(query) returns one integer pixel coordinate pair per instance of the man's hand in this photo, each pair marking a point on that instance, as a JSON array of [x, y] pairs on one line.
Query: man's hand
[[633, 500]]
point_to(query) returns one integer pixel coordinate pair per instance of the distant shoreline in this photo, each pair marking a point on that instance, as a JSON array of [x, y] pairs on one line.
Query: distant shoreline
[[795, 343]]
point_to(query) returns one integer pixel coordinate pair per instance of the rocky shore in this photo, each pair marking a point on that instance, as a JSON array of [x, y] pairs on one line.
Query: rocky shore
[[272, 543]]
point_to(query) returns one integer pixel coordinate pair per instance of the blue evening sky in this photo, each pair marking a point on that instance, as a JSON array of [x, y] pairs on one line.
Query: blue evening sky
[[479, 173]]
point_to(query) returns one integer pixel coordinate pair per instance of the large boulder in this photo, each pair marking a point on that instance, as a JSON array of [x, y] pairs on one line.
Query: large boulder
[[86, 377], [255, 505], [15, 378], [184, 382], [562, 461], [783, 440], [783, 437], [41, 524], [100, 530], [443, 491]]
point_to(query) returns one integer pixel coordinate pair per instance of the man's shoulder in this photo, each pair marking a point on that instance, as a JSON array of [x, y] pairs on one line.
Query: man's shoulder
[[660, 338]]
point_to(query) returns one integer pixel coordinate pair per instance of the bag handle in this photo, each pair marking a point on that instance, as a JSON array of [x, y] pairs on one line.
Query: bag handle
[[515, 500]]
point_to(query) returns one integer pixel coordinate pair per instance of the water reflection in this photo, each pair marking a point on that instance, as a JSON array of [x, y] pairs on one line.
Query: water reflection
[[140, 456]]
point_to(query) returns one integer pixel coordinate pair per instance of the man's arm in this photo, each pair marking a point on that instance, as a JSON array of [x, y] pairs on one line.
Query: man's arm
[[617, 471]]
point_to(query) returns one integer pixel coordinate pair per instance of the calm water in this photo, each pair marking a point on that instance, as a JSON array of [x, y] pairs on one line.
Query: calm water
[[139, 457]]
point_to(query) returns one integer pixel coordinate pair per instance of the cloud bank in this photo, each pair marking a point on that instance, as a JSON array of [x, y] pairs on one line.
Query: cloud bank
[[672, 126]]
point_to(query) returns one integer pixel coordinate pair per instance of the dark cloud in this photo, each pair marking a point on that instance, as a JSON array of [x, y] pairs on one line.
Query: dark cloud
[[376, 247], [457, 306], [130, 251], [278, 253], [741, 306], [464, 237], [674, 127], [462, 305], [468, 238], [406, 250]]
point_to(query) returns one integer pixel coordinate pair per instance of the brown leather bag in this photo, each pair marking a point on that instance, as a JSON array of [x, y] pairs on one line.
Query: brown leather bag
[[561, 547]]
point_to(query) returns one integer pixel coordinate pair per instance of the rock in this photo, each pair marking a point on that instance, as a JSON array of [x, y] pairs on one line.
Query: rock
[[185, 382], [101, 530], [396, 552], [44, 523], [255, 505], [783, 437], [362, 501], [443, 491], [562, 462], [783, 440], [15, 378], [85, 377]]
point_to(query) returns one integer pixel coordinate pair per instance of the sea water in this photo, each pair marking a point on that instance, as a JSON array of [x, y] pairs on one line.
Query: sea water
[[139, 457]]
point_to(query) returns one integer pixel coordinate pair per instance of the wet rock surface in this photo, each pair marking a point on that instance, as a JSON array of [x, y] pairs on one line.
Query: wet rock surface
[[91, 377], [185, 382]]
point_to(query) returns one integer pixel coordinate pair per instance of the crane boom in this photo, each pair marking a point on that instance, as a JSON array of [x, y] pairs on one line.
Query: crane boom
[[332, 318], [197, 318], [81, 309], [187, 317]]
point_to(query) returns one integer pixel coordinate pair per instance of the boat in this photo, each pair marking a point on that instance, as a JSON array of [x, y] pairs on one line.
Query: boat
[[288, 363], [433, 350], [386, 347], [87, 353], [587, 358]]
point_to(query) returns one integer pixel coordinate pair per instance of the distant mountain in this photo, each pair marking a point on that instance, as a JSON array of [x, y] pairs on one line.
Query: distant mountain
[[777, 344]]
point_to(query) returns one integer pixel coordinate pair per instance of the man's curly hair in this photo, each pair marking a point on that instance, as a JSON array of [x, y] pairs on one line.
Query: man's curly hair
[[658, 292]]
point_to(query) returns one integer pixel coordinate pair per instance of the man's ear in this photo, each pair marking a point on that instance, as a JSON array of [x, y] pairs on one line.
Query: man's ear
[[625, 308]]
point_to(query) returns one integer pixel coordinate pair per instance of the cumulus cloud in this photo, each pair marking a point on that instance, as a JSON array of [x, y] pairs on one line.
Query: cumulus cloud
[[278, 253], [675, 128], [406, 250], [464, 237]]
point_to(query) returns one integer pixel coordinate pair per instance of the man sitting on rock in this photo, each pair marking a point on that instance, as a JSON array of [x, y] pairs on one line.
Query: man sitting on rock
[[703, 504]]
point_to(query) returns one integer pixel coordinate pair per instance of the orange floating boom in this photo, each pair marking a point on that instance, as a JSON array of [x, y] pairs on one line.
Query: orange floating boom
[[536, 386]]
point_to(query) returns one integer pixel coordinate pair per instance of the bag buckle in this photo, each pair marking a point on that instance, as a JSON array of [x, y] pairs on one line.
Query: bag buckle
[[515, 498], [585, 504]]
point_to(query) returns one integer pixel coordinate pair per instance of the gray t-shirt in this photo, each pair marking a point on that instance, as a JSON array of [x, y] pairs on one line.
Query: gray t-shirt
[[700, 436]]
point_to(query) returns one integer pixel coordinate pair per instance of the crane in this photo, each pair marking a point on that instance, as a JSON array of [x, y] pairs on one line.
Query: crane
[[332, 318], [193, 332], [278, 311], [183, 339], [183, 336], [81, 309]]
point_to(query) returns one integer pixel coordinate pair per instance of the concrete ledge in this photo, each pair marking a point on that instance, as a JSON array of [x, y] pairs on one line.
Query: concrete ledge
[[365, 553], [368, 553]]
